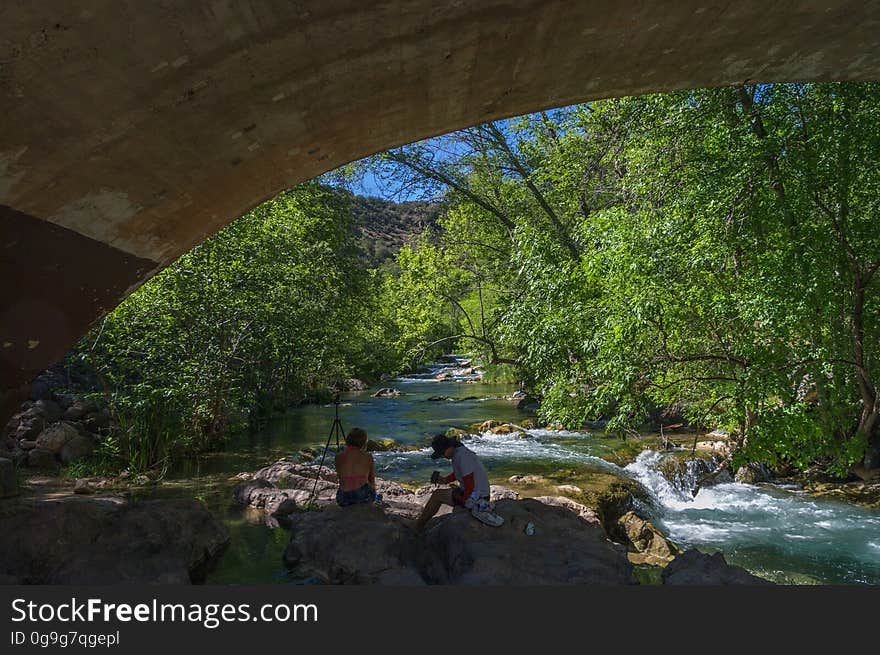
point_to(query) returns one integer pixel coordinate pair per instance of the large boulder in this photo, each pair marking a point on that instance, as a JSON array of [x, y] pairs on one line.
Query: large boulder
[[369, 544], [8, 480], [77, 448], [50, 409], [262, 494], [40, 458], [696, 568], [106, 541], [562, 547], [270, 487], [286, 473], [28, 429], [361, 544], [56, 436]]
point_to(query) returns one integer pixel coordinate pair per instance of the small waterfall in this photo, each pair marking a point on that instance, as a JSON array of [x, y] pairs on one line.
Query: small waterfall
[[671, 486]]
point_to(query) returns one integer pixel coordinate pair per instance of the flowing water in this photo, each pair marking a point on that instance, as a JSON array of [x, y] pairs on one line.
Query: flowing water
[[773, 531]]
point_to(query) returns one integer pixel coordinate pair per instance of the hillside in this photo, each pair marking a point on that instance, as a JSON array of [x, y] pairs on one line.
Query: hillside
[[385, 225]]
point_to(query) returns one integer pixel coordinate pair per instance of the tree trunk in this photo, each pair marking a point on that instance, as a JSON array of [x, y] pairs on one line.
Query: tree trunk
[[868, 426]]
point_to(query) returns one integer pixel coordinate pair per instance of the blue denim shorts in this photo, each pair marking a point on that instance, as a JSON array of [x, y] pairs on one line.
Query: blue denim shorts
[[363, 494]]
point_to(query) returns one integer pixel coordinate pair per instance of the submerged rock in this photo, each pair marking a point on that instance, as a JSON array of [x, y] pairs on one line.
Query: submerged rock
[[106, 541], [696, 568]]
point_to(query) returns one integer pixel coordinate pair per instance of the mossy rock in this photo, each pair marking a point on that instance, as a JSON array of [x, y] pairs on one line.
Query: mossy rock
[[611, 498], [506, 428], [456, 433], [381, 445], [646, 574]]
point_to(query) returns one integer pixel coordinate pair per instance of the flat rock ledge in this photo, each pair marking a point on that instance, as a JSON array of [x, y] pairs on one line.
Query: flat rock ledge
[[696, 568], [108, 541]]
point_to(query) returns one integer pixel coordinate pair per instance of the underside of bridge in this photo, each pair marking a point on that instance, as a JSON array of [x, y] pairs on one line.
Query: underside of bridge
[[130, 130]]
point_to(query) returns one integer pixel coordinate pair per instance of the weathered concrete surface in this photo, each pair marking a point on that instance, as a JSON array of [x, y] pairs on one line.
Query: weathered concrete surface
[[141, 128]]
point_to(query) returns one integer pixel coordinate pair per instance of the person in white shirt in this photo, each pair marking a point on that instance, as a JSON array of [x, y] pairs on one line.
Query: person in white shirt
[[467, 469]]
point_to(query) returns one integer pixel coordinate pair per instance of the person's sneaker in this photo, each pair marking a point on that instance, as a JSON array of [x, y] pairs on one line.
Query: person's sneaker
[[487, 517]]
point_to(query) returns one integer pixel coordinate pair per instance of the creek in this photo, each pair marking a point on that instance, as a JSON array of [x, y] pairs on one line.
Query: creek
[[775, 531]]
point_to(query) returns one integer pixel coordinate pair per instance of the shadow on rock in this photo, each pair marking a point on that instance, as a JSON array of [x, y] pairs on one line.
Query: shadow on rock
[[106, 541]]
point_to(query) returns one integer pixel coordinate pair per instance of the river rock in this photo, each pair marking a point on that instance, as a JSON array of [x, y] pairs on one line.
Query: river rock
[[262, 494], [77, 448], [618, 498], [497, 492], [40, 458], [528, 480], [285, 473], [381, 445], [752, 473], [563, 549], [719, 447], [55, 436], [486, 426], [644, 538], [104, 541], [506, 428], [8, 480], [695, 568]]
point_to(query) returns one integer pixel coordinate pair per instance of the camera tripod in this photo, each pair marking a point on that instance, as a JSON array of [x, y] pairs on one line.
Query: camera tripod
[[335, 432]]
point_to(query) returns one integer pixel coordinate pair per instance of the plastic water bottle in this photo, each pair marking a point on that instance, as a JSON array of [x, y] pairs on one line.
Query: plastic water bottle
[[530, 528]]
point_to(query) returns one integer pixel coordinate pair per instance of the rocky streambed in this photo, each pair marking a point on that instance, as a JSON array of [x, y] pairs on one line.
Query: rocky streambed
[[544, 539]]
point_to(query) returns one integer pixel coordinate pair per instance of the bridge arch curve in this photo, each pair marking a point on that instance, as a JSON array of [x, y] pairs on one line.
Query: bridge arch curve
[[132, 131]]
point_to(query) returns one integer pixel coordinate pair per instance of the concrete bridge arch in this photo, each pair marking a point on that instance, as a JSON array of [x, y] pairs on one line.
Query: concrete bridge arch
[[132, 130]]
